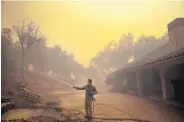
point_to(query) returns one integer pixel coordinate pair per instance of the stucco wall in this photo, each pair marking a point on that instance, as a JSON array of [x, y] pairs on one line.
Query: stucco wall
[[176, 34]]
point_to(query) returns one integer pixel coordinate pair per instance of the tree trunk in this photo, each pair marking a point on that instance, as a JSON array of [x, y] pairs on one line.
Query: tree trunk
[[22, 63]]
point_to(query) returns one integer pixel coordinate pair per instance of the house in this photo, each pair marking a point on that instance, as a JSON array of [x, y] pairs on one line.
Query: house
[[159, 73]]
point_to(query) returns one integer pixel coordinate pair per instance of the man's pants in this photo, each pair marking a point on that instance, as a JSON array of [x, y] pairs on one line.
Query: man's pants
[[88, 108]]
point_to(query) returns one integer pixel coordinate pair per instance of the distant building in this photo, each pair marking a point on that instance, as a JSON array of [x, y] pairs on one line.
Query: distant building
[[159, 73]]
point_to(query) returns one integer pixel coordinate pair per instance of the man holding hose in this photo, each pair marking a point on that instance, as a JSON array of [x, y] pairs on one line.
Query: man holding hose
[[90, 91]]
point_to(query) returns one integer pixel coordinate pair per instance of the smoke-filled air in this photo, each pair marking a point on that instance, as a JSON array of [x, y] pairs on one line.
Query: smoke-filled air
[[125, 55]]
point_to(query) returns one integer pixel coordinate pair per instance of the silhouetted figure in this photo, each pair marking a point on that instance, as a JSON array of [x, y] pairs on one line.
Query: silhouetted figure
[[90, 91]]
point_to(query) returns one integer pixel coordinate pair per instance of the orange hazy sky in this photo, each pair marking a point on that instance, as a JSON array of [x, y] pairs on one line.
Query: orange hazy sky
[[84, 28]]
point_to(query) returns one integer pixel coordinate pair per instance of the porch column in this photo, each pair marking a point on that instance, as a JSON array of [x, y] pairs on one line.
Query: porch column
[[139, 83], [167, 87], [163, 82]]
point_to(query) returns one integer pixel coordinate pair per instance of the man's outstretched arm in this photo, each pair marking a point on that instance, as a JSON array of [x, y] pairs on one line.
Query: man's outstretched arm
[[79, 88]]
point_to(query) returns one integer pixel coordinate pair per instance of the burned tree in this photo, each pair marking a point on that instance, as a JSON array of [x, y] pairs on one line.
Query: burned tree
[[27, 34]]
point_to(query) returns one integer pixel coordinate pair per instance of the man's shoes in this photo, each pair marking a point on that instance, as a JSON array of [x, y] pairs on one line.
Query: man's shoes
[[86, 117], [89, 117]]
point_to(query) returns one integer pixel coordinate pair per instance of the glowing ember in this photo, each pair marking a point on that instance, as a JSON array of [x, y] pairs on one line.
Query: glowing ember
[[131, 59]]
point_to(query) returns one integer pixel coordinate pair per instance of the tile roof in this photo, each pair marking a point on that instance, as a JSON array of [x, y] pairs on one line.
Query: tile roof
[[160, 54]]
